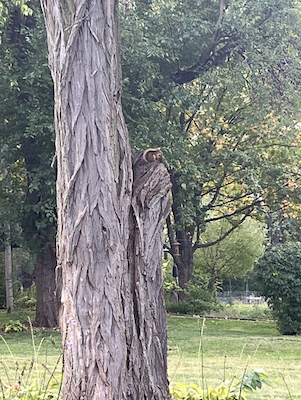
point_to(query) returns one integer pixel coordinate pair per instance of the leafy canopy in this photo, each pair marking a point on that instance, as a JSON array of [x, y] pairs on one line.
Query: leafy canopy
[[214, 84], [233, 257]]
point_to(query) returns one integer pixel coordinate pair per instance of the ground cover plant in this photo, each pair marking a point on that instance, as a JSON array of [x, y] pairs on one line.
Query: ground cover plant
[[204, 353]]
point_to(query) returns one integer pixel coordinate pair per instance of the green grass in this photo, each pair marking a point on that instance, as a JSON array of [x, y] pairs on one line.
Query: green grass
[[204, 353], [30, 357], [207, 353], [16, 315]]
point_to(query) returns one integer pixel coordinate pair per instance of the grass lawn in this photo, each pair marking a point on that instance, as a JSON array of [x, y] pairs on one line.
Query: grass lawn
[[207, 352], [201, 352], [30, 357]]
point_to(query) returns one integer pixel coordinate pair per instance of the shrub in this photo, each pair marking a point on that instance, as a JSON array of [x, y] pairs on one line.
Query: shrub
[[198, 299], [14, 326], [26, 299], [234, 390], [278, 273], [189, 307]]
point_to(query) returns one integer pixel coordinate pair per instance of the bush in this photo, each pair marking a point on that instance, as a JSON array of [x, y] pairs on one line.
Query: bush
[[189, 307], [278, 273], [245, 311], [26, 299], [198, 299], [233, 390], [14, 326]]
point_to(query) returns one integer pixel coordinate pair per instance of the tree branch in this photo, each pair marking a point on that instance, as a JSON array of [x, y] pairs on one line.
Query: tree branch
[[213, 41], [207, 59], [231, 200], [248, 207], [222, 237]]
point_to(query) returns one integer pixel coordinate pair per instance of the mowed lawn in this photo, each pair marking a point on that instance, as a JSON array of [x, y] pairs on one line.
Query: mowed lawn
[[29, 357], [204, 352]]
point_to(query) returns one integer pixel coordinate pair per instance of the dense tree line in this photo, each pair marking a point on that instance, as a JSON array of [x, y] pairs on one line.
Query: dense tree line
[[27, 147], [213, 84]]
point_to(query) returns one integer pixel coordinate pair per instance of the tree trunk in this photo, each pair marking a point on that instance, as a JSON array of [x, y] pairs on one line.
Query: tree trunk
[[184, 236], [9, 279], [146, 330], [185, 260], [275, 222], [109, 242], [46, 313]]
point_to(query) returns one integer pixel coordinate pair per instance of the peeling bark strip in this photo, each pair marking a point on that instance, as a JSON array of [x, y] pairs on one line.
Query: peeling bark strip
[[109, 240]]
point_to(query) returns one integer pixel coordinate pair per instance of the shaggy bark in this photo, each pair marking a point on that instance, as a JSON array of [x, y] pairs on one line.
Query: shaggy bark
[[109, 243], [146, 331]]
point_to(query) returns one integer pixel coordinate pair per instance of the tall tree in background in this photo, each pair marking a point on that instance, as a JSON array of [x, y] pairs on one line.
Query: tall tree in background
[[214, 84], [27, 146], [110, 217]]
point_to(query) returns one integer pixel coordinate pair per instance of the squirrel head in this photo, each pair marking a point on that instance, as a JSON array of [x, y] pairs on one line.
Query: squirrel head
[[151, 155]]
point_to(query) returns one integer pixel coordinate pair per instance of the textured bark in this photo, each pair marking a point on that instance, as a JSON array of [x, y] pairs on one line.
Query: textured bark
[[146, 332], [46, 313], [110, 288]]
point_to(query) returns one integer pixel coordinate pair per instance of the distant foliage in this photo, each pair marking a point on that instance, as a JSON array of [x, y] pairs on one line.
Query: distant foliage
[[26, 299], [279, 279], [246, 311], [233, 257], [198, 300]]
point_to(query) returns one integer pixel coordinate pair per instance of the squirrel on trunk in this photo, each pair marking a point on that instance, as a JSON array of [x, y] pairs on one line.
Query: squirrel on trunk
[[151, 155]]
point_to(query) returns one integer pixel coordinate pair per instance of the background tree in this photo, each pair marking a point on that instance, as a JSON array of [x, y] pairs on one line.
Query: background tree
[[208, 83], [11, 194], [232, 258], [110, 217], [27, 143], [278, 274], [282, 227]]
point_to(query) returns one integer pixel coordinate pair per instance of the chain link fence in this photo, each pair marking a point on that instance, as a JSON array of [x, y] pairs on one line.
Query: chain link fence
[[244, 297]]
